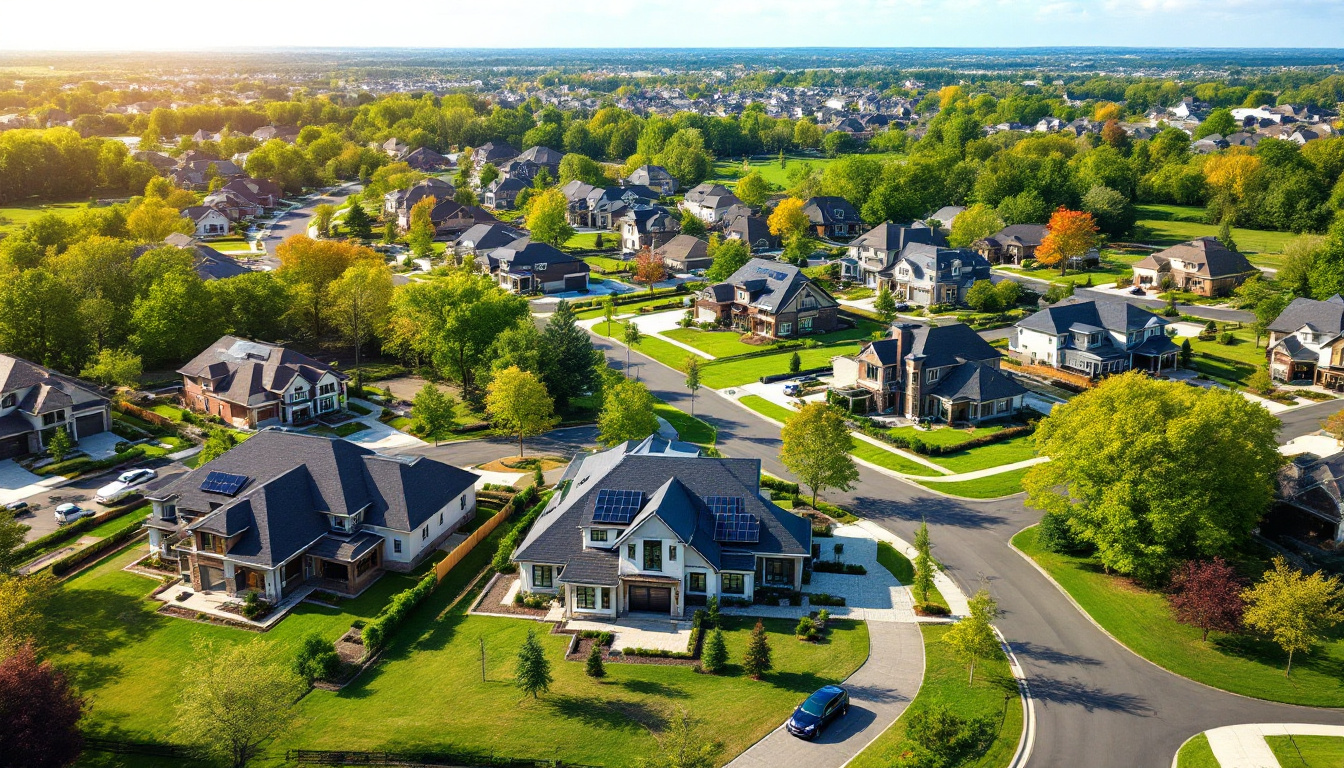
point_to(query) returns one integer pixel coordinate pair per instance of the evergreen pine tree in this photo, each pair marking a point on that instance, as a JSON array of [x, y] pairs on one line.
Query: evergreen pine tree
[[795, 363], [594, 666], [1225, 234], [567, 367], [923, 563], [715, 656], [533, 674], [712, 617], [357, 221], [757, 659]]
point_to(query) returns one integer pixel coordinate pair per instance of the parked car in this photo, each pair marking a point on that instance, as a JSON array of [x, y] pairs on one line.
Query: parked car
[[820, 710], [1136, 291], [793, 389], [69, 513], [124, 485], [19, 508], [901, 306]]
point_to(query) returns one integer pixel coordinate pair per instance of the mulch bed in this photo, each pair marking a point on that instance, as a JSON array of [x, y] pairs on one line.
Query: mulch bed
[[614, 656], [204, 618], [490, 601]]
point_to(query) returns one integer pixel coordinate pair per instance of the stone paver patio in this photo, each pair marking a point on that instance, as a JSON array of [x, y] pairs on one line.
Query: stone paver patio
[[662, 634]]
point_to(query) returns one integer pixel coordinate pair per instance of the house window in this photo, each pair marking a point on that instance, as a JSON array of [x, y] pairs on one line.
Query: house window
[[870, 371], [695, 581], [733, 584], [653, 555], [440, 518], [933, 375], [805, 324], [606, 599], [785, 329], [326, 389], [630, 551], [424, 533], [396, 546], [584, 597], [462, 501], [1004, 405], [9, 401], [672, 553], [542, 577], [597, 534], [53, 417], [809, 302]]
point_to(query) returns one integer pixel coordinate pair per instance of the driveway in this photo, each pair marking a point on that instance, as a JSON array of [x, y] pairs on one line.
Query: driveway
[[78, 491], [18, 483], [378, 436]]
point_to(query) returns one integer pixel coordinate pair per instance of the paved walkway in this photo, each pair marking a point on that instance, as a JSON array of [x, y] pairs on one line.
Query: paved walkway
[[651, 324], [987, 472], [1244, 746]]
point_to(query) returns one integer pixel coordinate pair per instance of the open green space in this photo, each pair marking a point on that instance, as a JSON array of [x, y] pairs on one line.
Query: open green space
[[945, 436], [587, 241], [15, 217], [665, 352], [1196, 753], [1230, 364], [607, 263], [768, 409], [727, 172], [1142, 620], [716, 343], [987, 487], [1167, 225], [1307, 751], [689, 428], [903, 570], [993, 696], [736, 372], [890, 459], [632, 308], [1009, 451]]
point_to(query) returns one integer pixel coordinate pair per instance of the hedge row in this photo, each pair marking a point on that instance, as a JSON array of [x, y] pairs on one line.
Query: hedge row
[[775, 484], [923, 448], [656, 653], [509, 543], [75, 559], [379, 629], [85, 464], [48, 542]]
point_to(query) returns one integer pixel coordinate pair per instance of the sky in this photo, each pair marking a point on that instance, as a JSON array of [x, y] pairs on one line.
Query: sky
[[101, 25]]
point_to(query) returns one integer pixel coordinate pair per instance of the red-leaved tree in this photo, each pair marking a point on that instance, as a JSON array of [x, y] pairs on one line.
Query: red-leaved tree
[[649, 268], [1207, 594], [40, 714]]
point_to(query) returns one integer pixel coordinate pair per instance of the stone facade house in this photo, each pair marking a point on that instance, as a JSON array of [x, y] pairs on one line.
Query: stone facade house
[[875, 252], [928, 274], [502, 194], [35, 401], [252, 384], [647, 227], [1204, 267], [769, 298]]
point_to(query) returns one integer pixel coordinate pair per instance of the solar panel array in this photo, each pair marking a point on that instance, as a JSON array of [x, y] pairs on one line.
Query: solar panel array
[[223, 482], [736, 526], [617, 507], [719, 505]]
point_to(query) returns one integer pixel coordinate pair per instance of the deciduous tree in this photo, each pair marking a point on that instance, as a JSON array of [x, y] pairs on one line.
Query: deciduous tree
[[153, 220], [434, 411], [923, 578], [982, 297], [114, 368], [42, 711], [360, 300], [23, 599], [546, 218], [731, 255], [631, 336], [1292, 608], [692, 367], [420, 234], [1071, 234], [322, 216], [788, 222], [1207, 594], [311, 266], [972, 638], [816, 449], [682, 745], [519, 404], [753, 189], [649, 268], [627, 413], [885, 304]]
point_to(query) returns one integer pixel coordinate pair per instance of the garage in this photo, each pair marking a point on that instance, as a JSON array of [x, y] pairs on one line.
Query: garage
[[13, 447], [91, 424], [652, 599]]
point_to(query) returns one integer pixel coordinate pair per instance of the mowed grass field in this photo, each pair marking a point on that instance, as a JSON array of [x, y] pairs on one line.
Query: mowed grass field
[[14, 217], [1167, 225], [727, 172]]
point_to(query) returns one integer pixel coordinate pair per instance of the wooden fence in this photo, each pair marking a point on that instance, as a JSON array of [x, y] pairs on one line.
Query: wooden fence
[[146, 415], [1046, 372], [462, 550]]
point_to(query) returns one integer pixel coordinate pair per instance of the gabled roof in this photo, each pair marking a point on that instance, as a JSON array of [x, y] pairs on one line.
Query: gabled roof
[[699, 192], [976, 382], [893, 237], [494, 152], [1325, 316], [53, 390], [931, 263], [253, 372], [484, 237], [1116, 316], [295, 480], [1028, 235], [526, 253], [1210, 258], [542, 156], [771, 284], [829, 209], [684, 248], [648, 175]]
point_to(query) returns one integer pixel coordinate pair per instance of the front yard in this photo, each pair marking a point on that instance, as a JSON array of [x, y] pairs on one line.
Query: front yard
[[1230, 364]]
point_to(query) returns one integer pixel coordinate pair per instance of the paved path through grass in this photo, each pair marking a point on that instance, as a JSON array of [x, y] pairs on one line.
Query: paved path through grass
[[1244, 746]]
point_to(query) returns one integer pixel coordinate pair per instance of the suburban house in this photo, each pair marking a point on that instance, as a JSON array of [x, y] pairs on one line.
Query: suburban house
[[941, 373], [232, 204], [537, 158], [1311, 499], [946, 216], [638, 529], [394, 147], [1306, 342], [769, 298], [208, 222], [1012, 244], [684, 253], [426, 159], [833, 217], [503, 192], [655, 177], [647, 226], [1204, 267], [450, 217], [483, 239], [252, 384], [262, 192], [754, 231], [495, 152], [929, 274], [403, 201], [208, 263], [875, 251], [35, 400], [602, 207], [526, 267], [284, 510], [709, 202], [1095, 338]]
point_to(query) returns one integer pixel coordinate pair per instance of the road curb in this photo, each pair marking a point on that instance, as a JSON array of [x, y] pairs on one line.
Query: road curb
[[1027, 741]]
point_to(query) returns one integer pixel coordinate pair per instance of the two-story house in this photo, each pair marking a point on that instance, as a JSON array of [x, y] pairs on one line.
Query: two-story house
[[530, 161], [769, 298], [684, 253], [35, 400], [1306, 342], [400, 202], [1012, 244], [875, 251], [941, 373], [928, 274], [253, 383], [502, 194], [709, 202], [494, 152], [833, 218], [1095, 338], [284, 510], [647, 226], [207, 222], [639, 528], [655, 177], [752, 230], [1204, 267], [483, 239], [1310, 498], [527, 267]]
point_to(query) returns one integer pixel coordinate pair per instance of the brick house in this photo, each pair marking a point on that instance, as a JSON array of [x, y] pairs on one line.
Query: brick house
[[252, 383], [1204, 267], [769, 298]]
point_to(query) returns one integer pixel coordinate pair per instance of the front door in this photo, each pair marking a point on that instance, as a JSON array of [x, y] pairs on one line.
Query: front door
[[651, 599]]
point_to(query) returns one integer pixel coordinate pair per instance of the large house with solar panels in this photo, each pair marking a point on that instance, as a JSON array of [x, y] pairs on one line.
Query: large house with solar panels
[[769, 298], [284, 510], [655, 527]]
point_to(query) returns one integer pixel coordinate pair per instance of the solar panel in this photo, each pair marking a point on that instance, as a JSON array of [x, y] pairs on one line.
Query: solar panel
[[223, 483], [736, 527], [617, 507], [724, 504]]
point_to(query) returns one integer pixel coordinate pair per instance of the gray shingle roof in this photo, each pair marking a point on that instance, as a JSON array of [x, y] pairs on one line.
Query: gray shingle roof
[[253, 372], [53, 390], [976, 382], [1325, 316], [1118, 316], [1211, 258], [772, 284], [892, 237]]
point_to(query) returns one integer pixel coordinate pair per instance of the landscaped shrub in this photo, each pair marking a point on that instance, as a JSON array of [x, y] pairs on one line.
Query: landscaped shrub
[[931, 609], [377, 631], [821, 598], [317, 659], [509, 543], [832, 566], [602, 638], [76, 559], [715, 655], [775, 484], [533, 599], [772, 596], [806, 629], [1055, 535], [914, 443], [655, 653], [254, 607]]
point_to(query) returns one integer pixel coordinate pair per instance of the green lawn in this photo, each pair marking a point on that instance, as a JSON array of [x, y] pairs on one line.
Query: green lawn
[[768, 409], [903, 569], [890, 459], [587, 241], [665, 352], [1197, 754], [945, 435], [1307, 751], [716, 343], [1167, 225], [606, 263], [733, 373], [689, 428], [988, 487], [15, 217], [728, 172], [631, 309], [1009, 451], [1229, 363], [1142, 620], [994, 695]]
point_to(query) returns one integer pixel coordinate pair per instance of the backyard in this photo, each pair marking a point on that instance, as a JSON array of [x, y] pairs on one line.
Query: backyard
[[1166, 225], [1230, 364], [15, 217], [1142, 620]]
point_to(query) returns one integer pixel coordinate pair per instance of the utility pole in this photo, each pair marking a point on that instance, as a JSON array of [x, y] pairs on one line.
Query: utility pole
[[482, 659]]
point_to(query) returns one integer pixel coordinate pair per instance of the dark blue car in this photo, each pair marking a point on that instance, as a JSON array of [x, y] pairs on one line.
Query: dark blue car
[[812, 716]]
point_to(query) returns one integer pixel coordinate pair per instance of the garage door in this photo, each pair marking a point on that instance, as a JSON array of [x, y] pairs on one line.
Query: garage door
[[91, 424], [656, 599], [12, 447]]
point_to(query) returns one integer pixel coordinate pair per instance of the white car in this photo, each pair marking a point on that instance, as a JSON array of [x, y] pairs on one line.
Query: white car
[[69, 513], [124, 485]]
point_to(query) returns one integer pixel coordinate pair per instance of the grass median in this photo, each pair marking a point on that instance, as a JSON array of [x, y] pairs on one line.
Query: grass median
[[987, 487]]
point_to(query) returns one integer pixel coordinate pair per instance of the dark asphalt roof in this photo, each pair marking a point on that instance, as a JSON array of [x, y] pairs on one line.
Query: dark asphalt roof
[[1325, 316], [1118, 316], [976, 382], [591, 566]]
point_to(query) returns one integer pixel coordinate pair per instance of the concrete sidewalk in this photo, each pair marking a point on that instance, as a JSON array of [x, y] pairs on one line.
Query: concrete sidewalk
[[1244, 746]]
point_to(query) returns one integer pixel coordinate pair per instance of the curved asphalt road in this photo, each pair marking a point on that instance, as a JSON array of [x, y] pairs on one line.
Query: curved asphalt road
[[1097, 704]]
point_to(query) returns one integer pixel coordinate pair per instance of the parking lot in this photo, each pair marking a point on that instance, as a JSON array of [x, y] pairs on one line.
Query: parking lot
[[42, 519]]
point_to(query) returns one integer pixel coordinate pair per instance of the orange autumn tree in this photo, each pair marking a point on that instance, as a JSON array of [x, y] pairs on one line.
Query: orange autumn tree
[[649, 268], [1071, 234]]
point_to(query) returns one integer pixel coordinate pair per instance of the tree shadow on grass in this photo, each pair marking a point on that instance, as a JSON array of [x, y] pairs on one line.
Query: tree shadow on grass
[[797, 682], [1265, 652], [654, 688], [97, 622], [595, 712]]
